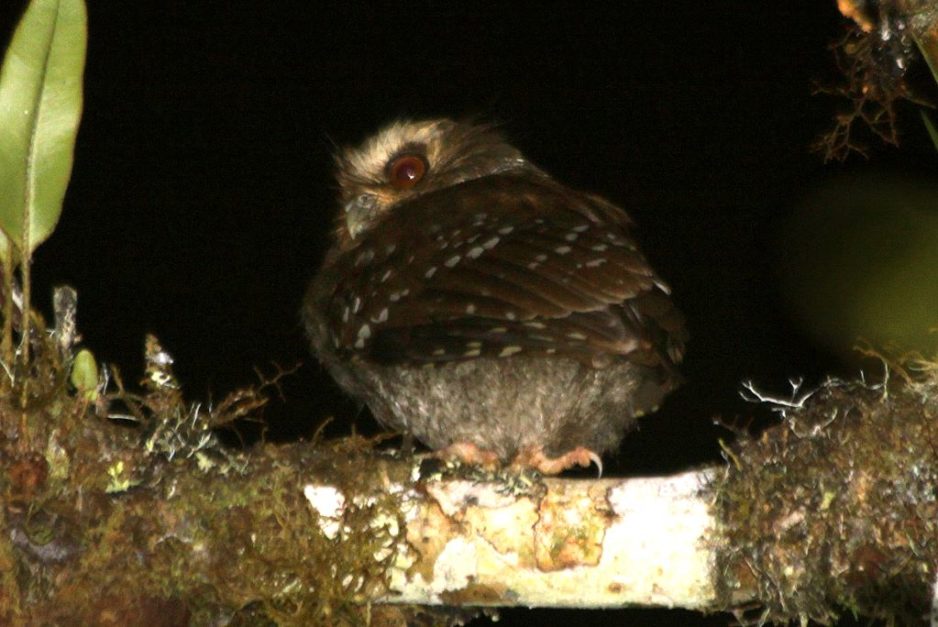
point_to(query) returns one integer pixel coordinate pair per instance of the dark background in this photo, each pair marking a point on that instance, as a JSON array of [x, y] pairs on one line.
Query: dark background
[[202, 196]]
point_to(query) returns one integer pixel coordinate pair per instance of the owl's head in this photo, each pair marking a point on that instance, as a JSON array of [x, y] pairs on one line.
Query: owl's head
[[408, 159]]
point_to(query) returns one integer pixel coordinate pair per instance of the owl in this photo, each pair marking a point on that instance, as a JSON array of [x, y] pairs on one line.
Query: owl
[[491, 312]]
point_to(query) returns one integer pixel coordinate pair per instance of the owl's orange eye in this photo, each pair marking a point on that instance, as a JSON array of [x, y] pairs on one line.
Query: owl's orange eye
[[406, 171]]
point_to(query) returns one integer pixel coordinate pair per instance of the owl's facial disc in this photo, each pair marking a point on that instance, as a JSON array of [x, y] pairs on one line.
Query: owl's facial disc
[[409, 159], [402, 173]]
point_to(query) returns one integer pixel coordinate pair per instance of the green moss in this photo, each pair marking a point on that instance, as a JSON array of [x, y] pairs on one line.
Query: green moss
[[134, 521], [837, 508]]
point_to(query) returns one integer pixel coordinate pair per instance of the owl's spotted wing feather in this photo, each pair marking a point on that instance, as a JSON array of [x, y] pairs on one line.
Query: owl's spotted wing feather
[[498, 266]]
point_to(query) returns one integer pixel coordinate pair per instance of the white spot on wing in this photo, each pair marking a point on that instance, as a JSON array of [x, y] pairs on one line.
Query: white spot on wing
[[452, 261], [364, 332], [490, 243], [430, 272], [505, 230], [562, 250], [509, 350], [595, 263], [475, 252]]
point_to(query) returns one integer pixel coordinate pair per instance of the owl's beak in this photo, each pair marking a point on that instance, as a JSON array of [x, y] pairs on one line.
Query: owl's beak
[[359, 212]]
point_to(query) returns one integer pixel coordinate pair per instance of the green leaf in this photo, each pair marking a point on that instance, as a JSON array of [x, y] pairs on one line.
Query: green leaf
[[930, 127], [85, 374], [928, 47], [40, 107], [4, 245]]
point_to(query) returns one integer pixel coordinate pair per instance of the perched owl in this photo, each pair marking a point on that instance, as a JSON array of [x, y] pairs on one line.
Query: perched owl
[[479, 305]]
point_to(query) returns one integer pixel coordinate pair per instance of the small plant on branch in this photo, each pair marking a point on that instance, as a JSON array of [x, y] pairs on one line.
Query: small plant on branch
[[40, 108]]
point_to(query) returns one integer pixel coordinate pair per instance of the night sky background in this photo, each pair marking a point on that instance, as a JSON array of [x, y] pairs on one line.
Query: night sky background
[[202, 194]]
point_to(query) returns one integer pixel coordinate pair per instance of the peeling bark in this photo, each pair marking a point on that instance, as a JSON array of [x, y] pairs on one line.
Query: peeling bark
[[572, 543]]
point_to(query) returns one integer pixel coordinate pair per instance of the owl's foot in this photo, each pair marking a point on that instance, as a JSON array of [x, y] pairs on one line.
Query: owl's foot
[[535, 458], [468, 453]]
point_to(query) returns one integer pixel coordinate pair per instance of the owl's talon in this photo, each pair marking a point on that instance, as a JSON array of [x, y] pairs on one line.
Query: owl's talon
[[535, 458], [595, 459]]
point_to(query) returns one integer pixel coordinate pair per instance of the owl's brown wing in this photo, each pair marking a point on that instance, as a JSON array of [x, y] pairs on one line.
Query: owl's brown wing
[[499, 266]]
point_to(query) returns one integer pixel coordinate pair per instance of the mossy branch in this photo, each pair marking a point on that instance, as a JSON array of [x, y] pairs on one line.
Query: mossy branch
[[150, 517]]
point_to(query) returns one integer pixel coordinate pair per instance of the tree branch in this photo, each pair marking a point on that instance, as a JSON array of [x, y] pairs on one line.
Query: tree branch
[[153, 521]]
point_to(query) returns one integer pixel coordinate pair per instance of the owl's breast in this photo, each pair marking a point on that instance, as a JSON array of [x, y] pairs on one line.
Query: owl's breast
[[506, 406]]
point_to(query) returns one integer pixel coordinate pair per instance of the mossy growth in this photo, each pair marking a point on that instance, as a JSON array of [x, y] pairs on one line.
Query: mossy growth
[[836, 510], [124, 507]]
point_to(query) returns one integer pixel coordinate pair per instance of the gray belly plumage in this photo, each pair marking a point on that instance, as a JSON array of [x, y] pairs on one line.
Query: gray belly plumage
[[505, 405]]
